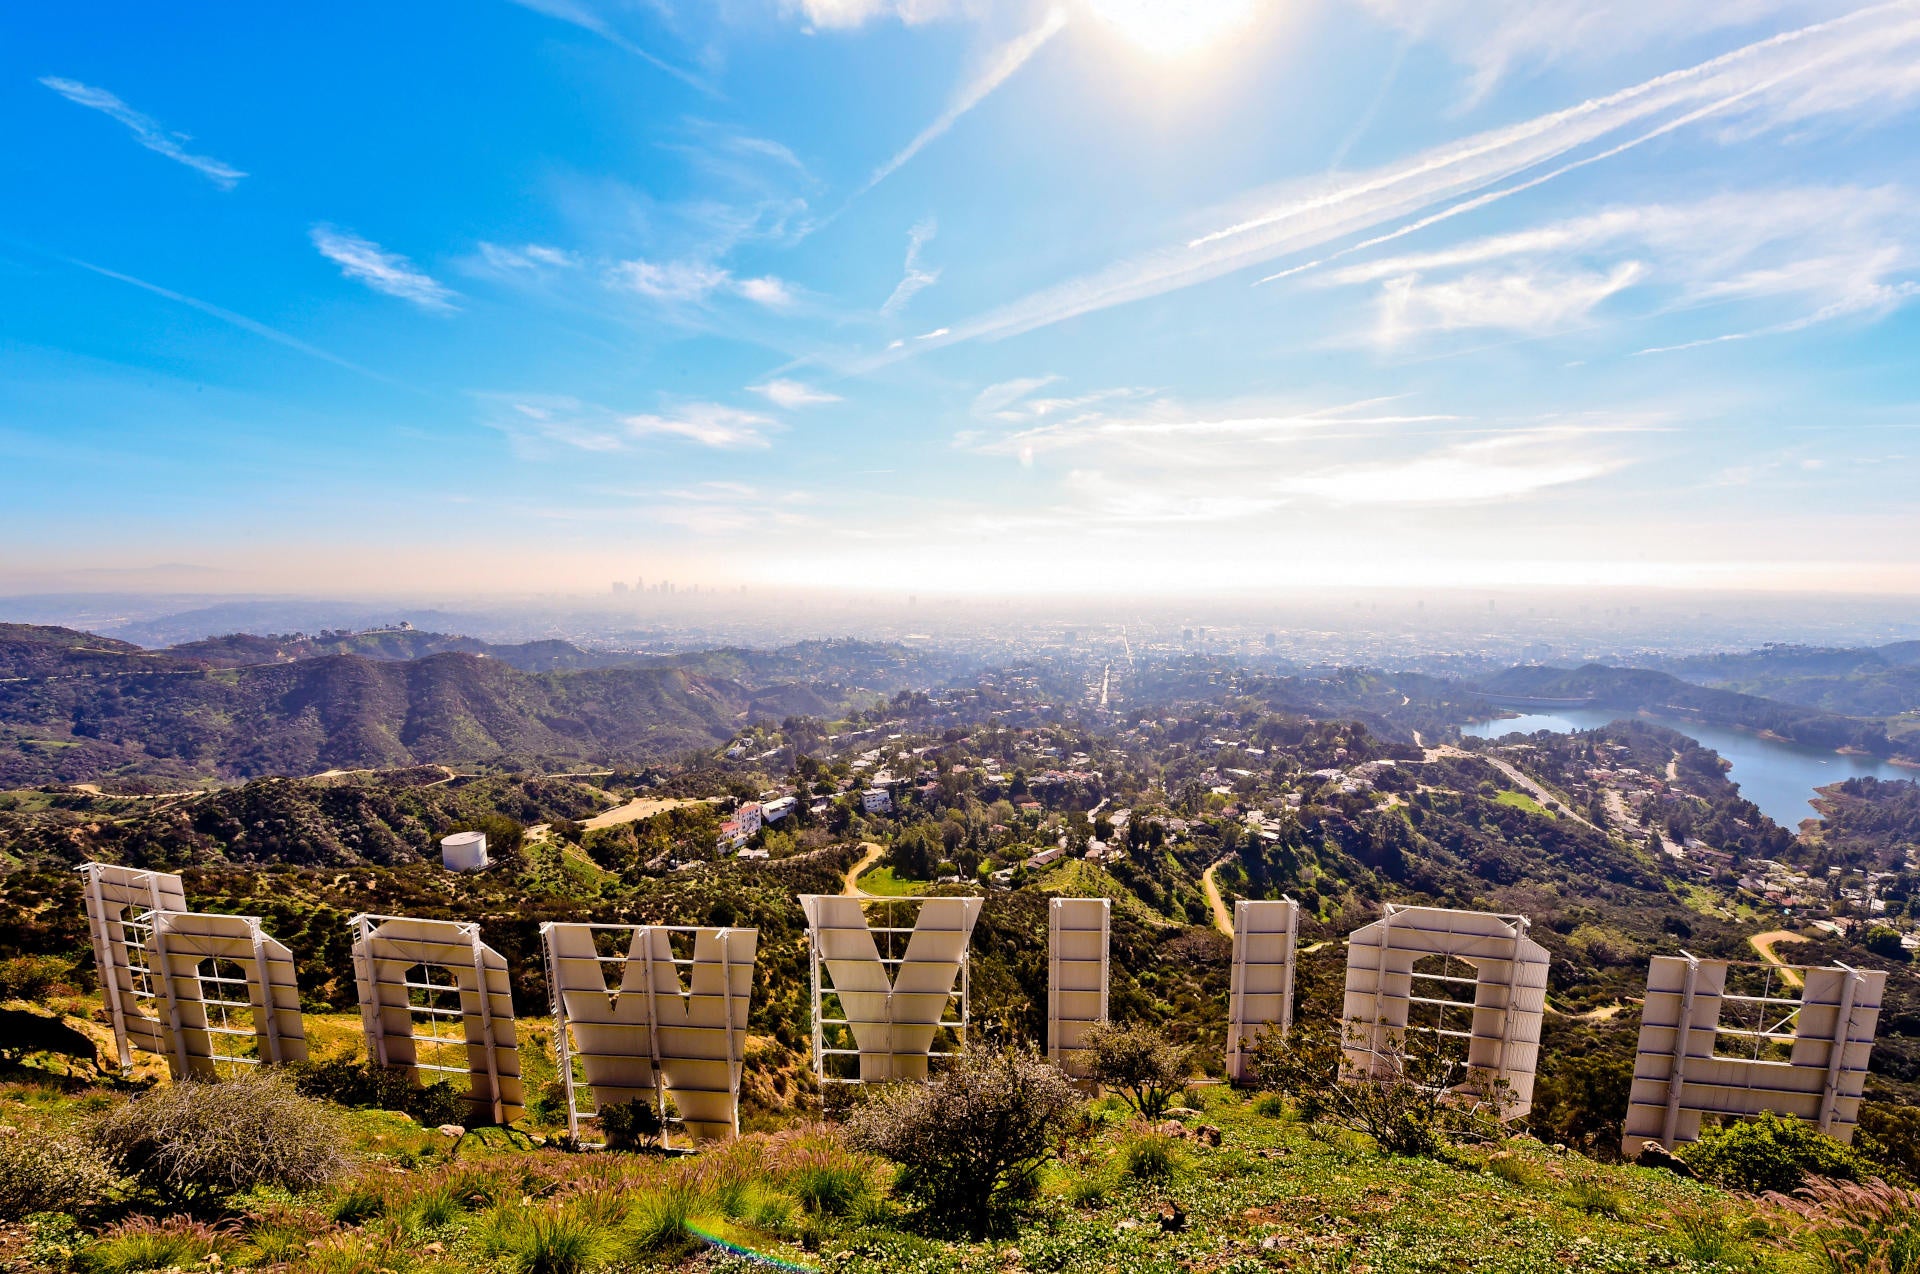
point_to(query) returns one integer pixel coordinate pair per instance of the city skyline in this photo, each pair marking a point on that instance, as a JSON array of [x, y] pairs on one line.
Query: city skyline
[[962, 298]]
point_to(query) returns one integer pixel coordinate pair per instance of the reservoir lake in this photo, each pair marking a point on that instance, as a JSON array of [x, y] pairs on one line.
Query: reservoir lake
[[1778, 777]]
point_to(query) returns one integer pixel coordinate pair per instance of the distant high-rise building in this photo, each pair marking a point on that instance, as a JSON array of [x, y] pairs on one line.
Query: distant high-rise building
[[619, 586]]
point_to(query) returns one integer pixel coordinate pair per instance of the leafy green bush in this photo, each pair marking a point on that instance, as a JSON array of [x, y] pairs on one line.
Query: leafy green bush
[[1140, 1062], [1889, 1138], [629, 1125], [971, 1141], [42, 1174], [195, 1139], [1769, 1152], [365, 1086]]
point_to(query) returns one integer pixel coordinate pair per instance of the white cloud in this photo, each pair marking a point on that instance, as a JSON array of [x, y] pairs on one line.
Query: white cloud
[[379, 269], [792, 393], [147, 130], [696, 281], [1007, 59], [768, 291], [1829, 251], [1865, 63], [916, 278], [1528, 301], [709, 424]]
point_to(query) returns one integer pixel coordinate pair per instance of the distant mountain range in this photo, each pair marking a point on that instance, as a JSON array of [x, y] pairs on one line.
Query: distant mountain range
[[76, 707]]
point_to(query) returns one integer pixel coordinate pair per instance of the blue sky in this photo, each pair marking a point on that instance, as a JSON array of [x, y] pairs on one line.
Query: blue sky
[[1108, 295]]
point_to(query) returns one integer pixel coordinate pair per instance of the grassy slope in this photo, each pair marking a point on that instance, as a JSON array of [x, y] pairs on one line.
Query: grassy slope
[[1272, 1195]]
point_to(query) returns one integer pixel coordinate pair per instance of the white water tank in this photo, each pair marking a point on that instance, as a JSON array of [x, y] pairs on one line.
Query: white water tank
[[464, 851]]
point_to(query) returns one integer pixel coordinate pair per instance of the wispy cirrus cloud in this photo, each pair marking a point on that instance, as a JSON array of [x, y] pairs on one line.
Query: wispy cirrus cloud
[[541, 426], [1508, 466], [792, 393], [527, 257], [842, 14], [383, 271], [1000, 67], [148, 131], [591, 16], [1866, 62], [916, 277], [1825, 252], [1524, 301], [1493, 37]]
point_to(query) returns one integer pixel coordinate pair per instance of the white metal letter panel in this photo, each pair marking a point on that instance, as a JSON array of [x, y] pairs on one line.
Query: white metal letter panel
[[893, 1020], [1077, 944], [385, 948], [1677, 1077], [273, 993], [116, 895], [1265, 935]]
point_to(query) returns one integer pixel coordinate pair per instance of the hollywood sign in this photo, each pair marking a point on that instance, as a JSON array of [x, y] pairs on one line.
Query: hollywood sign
[[654, 1013]]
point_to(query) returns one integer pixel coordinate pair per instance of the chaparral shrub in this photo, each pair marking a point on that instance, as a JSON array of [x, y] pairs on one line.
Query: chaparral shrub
[[971, 1141], [48, 1174], [1140, 1062]]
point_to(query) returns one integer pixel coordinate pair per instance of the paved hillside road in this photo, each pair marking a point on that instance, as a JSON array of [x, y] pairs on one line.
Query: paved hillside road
[[1519, 780], [1222, 917]]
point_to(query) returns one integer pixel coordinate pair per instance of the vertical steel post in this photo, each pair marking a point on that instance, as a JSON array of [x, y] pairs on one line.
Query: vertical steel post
[[1676, 1077]]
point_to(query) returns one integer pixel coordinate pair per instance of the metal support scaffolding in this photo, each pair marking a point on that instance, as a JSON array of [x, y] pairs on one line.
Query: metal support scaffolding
[[1265, 935]]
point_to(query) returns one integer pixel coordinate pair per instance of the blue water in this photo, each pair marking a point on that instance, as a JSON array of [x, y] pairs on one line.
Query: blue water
[[1778, 777]]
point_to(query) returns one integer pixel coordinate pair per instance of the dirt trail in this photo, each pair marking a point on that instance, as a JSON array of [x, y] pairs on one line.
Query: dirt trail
[[636, 809], [1222, 917], [873, 854], [1764, 944]]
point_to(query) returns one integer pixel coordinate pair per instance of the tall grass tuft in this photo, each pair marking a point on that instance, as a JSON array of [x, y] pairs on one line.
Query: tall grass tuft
[[658, 1225], [1850, 1228], [1592, 1198], [559, 1242], [1151, 1155], [145, 1244]]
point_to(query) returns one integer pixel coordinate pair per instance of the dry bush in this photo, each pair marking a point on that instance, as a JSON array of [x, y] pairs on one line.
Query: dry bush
[[971, 1141], [48, 1174], [1419, 1100], [196, 1140]]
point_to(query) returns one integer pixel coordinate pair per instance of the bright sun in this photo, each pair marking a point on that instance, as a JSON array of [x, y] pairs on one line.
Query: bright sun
[[1175, 28]]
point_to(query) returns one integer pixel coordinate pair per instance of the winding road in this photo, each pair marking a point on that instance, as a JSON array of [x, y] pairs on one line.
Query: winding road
[[1764, 944], [873, 854]]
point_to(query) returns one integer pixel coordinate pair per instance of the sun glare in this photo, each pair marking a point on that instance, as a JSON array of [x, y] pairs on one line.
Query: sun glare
[[1175, 28]]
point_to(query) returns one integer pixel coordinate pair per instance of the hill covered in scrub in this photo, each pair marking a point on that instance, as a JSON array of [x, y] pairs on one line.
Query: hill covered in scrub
[[79, 708]]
